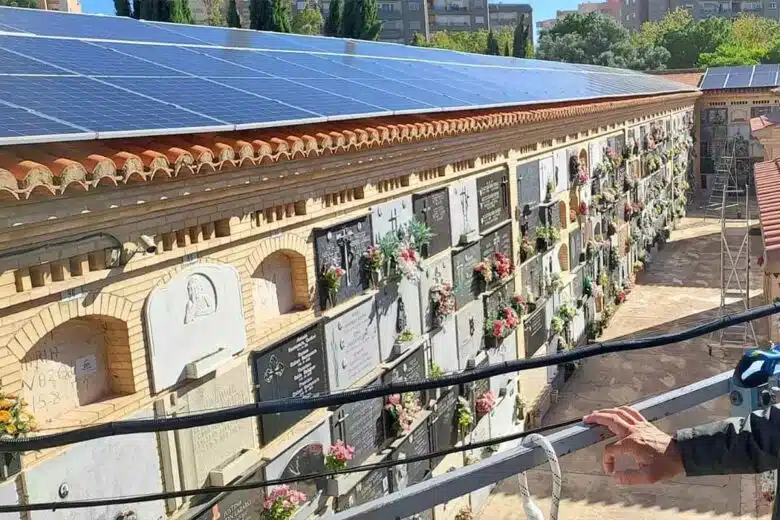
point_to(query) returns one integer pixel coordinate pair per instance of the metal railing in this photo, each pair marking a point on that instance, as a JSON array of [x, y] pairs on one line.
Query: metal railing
[[425, 495]]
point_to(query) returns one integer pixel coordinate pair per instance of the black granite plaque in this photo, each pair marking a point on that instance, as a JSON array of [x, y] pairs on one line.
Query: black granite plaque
[[466, 284], [343, 246], [293, 368], [493, 199], [529, 221], [308, 460], [556, 217], [575, 247], [410, 368], [528, 180], [476, 388], [498, 298], [444, 423], [360, 425], [498, 241], [531, 277], [535, 330], [374, 485], [245, 504], [433, 208], [417, 443]]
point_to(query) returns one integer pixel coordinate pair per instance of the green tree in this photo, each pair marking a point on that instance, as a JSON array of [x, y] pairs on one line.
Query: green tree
[[684, 38], [30, 4], [260, 14], [215, 13], [307, 21], [136, 9], [360, 20], [521, 40], [507, 49], [232, 19], [333, 23], [122, 7], [180, 12], [418, 40], [280, 17], [492, 45]]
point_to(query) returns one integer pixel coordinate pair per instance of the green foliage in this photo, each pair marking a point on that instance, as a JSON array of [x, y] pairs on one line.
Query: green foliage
[[420, 233], [270, 15], [121, 7], [492, 45], [465, 41], [30, 4], [360, 20], [215, 14], [521, 41], [136, 9], [280, 19], [259, 13], [333, 23], [307, 21], [180, 12], [233, 20]]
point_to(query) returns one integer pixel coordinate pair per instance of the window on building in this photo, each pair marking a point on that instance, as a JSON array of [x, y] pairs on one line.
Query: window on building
[[414, 6], [479, 4], [479, 20], [773, 5], [300, 5], [389, 7], [415, 26], [393, 25]]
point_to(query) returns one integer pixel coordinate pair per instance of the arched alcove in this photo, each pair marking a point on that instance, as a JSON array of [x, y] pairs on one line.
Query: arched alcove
[[574, 201], [563, 257], [83, 361], [563, 213], [584, 160], [279, 286]]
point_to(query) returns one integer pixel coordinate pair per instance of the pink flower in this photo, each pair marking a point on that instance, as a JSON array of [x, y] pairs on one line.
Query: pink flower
[[498, 328], [394, 399]]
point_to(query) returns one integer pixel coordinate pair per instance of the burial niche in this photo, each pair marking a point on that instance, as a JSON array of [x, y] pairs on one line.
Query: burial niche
[[280, 286]]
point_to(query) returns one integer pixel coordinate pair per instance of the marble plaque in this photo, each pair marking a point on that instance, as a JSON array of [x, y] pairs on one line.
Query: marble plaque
[[531, 277], [535, 330], [530, 219], [470, 324], [443, 350], [481, 432], [506, 350], [444, 423], [528, 181], [9, 496], [411, 368], [561, 169], [244, 504], [294, 367], [546, 174], [577, 328], [343, 246], [435, 271], [498, 298], [464, 210], [433, 208], [503, 417], [204, 448], [466, 284], [415, 443], [305, 457], [196, 314], [493, 199], [575, 247], [498, 241], [391, 216], [375, 484], [97, 469], [397, 309], [352, 345], [360, 425]]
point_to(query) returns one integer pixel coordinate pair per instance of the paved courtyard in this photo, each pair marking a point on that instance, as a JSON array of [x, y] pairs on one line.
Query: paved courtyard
[[680, 289]]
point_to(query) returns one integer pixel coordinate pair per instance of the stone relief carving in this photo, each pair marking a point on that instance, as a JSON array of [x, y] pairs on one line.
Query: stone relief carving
[[201, 298]]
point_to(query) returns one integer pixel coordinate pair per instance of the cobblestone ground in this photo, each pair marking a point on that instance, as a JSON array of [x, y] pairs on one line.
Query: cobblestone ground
[[680, 289]]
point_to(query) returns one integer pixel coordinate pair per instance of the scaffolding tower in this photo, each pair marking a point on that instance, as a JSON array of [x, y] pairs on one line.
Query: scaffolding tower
[[730, 200]]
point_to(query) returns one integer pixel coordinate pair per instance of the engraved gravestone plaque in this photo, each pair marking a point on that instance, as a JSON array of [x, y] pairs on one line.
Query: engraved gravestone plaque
[[433, 209], [360, 425], [343, 246], [493, 199]]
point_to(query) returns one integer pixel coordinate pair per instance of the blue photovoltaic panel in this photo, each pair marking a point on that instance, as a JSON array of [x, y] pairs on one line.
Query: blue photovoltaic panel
[[332, 65], [397, 102], [765, 76], [739, 79], [93, 105], [434, 98], [299, 95], [83, 58], [758, 76], [225, 37], [11, 63], [17, 122], [8, 28], [186, 59], [53, 23], [276, 64], [713, 81], [215, 100]]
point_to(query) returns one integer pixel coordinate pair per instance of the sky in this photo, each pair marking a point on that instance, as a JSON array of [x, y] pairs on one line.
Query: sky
[[543, 9]]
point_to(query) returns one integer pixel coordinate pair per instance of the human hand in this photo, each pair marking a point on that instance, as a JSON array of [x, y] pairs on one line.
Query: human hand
[[654, 451]]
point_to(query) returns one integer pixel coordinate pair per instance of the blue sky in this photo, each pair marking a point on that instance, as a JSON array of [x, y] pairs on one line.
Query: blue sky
[[543, 9]]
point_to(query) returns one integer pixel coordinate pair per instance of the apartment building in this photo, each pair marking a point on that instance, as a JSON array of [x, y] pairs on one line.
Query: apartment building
[[66, 6], [636, 12], [610, 8]]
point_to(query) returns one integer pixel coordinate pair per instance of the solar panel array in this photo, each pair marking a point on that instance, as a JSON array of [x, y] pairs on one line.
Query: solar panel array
[[66, 76], [753, 76]]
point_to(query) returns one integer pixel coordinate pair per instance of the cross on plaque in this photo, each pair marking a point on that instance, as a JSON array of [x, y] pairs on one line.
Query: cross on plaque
[[344, 241], [505, 192], [394, 220], [340, 424], [464, 206]]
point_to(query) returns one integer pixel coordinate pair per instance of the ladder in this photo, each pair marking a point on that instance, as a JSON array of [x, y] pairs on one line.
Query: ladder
[[725, 187]]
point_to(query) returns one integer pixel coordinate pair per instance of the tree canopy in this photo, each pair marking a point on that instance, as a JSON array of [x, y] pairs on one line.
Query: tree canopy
[[233, 19], [31, 4], [307, 21], [360, 20], [521, 38], [121, 7], [465, 41], [332, 25], [180, 12]]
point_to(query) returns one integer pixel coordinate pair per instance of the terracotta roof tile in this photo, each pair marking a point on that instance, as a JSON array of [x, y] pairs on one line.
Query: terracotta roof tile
[[688, 78], [32, 171], [761, 122], [767, 175]]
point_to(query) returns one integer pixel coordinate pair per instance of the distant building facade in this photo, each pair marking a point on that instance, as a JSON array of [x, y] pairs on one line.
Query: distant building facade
[[66, 6], [637, 12], [609, 8]]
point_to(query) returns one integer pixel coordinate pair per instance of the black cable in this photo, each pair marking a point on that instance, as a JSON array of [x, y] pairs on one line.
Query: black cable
[[133, 499], [127, 427]]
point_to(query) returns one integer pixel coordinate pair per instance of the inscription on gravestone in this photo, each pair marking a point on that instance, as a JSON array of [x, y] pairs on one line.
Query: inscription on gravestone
[[466, 285], [353, 345], [293, 368], [498, 241], [245, 504], [470, 323], [575, 247], [444, 424], [411, 368], [528, 180], [374, 485], [498, 298], [309, 459], [464, 215], [531, 277], [535, 330], [529, 221], [416, 443], [360, 425], [433, 208], [493, 199], [343, 246]]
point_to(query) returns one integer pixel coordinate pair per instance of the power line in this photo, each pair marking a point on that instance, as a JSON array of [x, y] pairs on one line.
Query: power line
[[127, 427]]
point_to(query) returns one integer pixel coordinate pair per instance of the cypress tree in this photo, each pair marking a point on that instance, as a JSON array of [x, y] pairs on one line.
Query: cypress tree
[[280, 17], [333, 22], [360, 20], [507, 49], [492, 45], [164, 8], [136, 9], [260, 15], [122, 7], [520, 46], [180, 12], [233, 20]]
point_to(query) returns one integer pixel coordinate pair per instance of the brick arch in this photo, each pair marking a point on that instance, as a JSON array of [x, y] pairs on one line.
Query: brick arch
[[563, 213], [170, 273], [584, 162], [574, 200], [270, 245], [563, 257]]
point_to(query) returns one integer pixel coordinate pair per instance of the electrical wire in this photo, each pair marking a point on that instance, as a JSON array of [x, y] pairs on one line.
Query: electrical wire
[[132, 499], [127, 427]]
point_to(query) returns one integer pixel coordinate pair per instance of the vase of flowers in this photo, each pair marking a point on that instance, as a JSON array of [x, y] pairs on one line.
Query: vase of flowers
[[373, 259], [485, 404], [464, 415], [282, 503], [484, 271], [442, 302], [15, 420], [403, 410], [331, 278], [519, 305], [408, 262], [501, 325], [503, 267], [584, 209], [338, 456], [527, 249]]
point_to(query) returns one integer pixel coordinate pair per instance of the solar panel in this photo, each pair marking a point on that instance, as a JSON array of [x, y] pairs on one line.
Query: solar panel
[[11, 63], [276, 64], [224, 37], [99, 107], [24, 125], [402, 101], [714, 81], [765, 76], [739, 78]]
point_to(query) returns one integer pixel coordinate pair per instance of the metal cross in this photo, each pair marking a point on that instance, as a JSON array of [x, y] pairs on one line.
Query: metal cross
[[344, 241], [393, 219], [505, 192], [464, 206]]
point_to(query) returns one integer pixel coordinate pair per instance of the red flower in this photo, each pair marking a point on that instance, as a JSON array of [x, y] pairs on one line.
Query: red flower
[[760, 261]]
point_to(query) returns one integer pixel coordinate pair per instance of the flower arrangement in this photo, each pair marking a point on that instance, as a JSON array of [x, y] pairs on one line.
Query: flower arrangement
[[603, 280], [556, 324], [15, 420], [546, 236], [403, 410], [503, 267], [373, 258], [408, 262], [485, 403], [502, 324], [401, 250], [621, 297], [554, 283], [331, 276], [614, 158], [614, 258], [282, 503], [405, 336], [485, 271], [443, 301], [653, 163], [567, 312], [465, 417], [527, 249], [638, 266], [583, 209], [519, 305], [628, 211], [582, 177], [435, 371], [587, 286], [338, 456], [465, 514]]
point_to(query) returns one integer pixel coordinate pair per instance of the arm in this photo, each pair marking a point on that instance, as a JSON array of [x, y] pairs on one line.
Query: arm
[[736, 445]]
